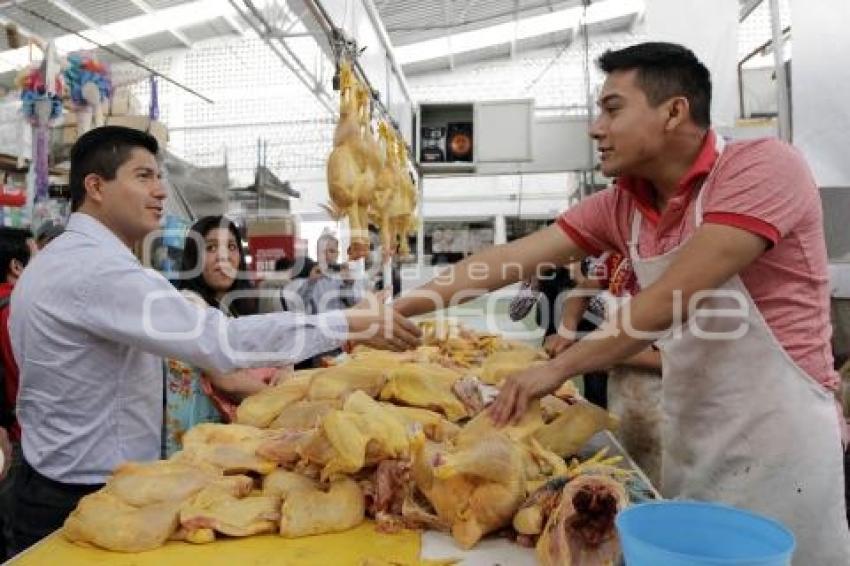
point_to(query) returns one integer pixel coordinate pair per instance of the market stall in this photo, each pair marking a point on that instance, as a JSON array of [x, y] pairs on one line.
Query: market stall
[[376, 458], [407, 428]]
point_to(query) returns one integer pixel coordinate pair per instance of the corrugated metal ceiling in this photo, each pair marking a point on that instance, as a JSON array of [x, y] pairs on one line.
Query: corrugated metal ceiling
[[409, 21]]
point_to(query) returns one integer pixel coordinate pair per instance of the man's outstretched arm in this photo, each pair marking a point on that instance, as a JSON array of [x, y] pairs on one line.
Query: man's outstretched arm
[[491, 269], [714, 254]]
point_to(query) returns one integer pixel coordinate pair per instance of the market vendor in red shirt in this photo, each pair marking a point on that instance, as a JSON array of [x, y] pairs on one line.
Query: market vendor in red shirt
[[728, 246]]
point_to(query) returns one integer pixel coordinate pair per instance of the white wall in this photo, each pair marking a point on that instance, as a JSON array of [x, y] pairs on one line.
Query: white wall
[[710, 30], [538, 196], [820, 83]]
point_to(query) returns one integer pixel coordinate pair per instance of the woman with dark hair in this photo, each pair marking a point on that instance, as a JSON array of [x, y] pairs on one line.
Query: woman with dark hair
[[222, 263], [212, 268]]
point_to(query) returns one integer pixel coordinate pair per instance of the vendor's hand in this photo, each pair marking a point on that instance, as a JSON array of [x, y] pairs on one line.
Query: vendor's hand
[[555, 344], [377, 325], [315, 273], [6, 449], [521, 388]]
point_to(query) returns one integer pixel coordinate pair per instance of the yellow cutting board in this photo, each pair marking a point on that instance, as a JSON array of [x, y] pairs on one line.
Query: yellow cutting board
[[338, 549]]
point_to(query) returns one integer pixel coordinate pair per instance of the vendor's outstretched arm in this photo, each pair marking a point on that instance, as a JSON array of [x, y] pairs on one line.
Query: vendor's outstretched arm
[[491, 269], [712, 255]]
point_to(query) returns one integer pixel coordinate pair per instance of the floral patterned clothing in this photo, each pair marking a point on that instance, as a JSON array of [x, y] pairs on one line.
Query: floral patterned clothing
[[186, 404]]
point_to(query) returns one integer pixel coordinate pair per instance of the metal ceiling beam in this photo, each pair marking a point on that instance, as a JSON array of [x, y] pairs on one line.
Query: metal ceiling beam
[[516, 24], [448, 23], [137, 61], [84, 19], [294, 64], [148, 9], [231, 21], [748, 8]]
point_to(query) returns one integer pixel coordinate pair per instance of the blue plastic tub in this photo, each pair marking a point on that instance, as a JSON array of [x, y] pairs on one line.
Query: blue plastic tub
[[691, 533]]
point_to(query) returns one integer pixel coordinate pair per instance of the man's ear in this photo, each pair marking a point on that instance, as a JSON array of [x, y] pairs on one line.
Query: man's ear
[[93, 183], [678, 110], [16, 268]]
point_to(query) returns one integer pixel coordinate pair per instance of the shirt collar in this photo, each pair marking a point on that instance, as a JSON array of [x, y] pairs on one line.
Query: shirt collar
[[644, 192], [88, 225]]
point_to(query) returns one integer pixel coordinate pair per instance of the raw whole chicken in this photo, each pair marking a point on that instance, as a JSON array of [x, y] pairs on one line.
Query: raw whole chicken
[[146, 483], [216, 510], [402, 203], [138, 508], [425, 385], [305, 415], [338, 381], [283, 482], [503, 363], [101, 519], [312, 511], [231, 448], [263, 408], [475, 487], [350, 171], [388, 184], [363, 430]]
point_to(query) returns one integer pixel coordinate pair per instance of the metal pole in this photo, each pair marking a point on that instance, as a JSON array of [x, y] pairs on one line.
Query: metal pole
[[782, 105], [420, 233], [588, 93], [387, 275]]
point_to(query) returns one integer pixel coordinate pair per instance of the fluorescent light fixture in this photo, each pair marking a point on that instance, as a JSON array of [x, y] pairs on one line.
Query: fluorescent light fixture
[[526, 28]]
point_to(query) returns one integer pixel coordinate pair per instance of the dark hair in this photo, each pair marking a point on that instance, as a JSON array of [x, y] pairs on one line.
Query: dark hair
[[102, 151], [306, 264], [13, 245], [665, 70], [283, 263], [193, 260]]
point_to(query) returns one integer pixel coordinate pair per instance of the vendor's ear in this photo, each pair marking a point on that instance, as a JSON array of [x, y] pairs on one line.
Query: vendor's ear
[[93, 183], [16, 268], [678, 110]]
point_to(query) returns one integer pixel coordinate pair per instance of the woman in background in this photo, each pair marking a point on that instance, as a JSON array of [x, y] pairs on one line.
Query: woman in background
[[193, 395]]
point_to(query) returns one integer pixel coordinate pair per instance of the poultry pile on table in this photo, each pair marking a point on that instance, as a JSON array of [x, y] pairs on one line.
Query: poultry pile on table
[[400, 438], [368, 180]]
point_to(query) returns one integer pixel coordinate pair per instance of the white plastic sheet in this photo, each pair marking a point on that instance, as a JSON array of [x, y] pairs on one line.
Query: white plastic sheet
[[820, 86], [710, 30]]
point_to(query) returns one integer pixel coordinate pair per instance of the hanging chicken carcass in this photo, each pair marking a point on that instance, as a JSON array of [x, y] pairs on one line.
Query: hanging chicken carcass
[[409, 189], [387, 186], [403, 202], [350, 170]]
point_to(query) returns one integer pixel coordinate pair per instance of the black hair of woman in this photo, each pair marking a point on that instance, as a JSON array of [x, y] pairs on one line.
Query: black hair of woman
[[193, 261]]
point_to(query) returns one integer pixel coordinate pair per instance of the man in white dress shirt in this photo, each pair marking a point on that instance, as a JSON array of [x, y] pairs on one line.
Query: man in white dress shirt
[[90, 325]]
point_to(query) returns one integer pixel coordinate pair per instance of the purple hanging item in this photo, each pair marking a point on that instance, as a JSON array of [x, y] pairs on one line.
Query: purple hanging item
[[42, 149], [153, 111]]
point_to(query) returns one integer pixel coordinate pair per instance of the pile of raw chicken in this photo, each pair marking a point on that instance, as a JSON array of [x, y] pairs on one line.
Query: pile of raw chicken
[[402, 439], [369, 179]]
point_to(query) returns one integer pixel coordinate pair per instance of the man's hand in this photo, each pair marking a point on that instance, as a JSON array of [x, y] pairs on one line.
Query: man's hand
[[377, 325], [521, 388], [6, 450], [555, 344]]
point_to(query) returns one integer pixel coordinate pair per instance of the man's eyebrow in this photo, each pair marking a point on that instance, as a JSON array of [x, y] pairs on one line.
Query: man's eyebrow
[[144, 169], [613, 97]]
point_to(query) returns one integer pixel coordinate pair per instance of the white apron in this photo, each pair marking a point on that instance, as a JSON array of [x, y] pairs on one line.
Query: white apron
[[744, 425], [634, 397]]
